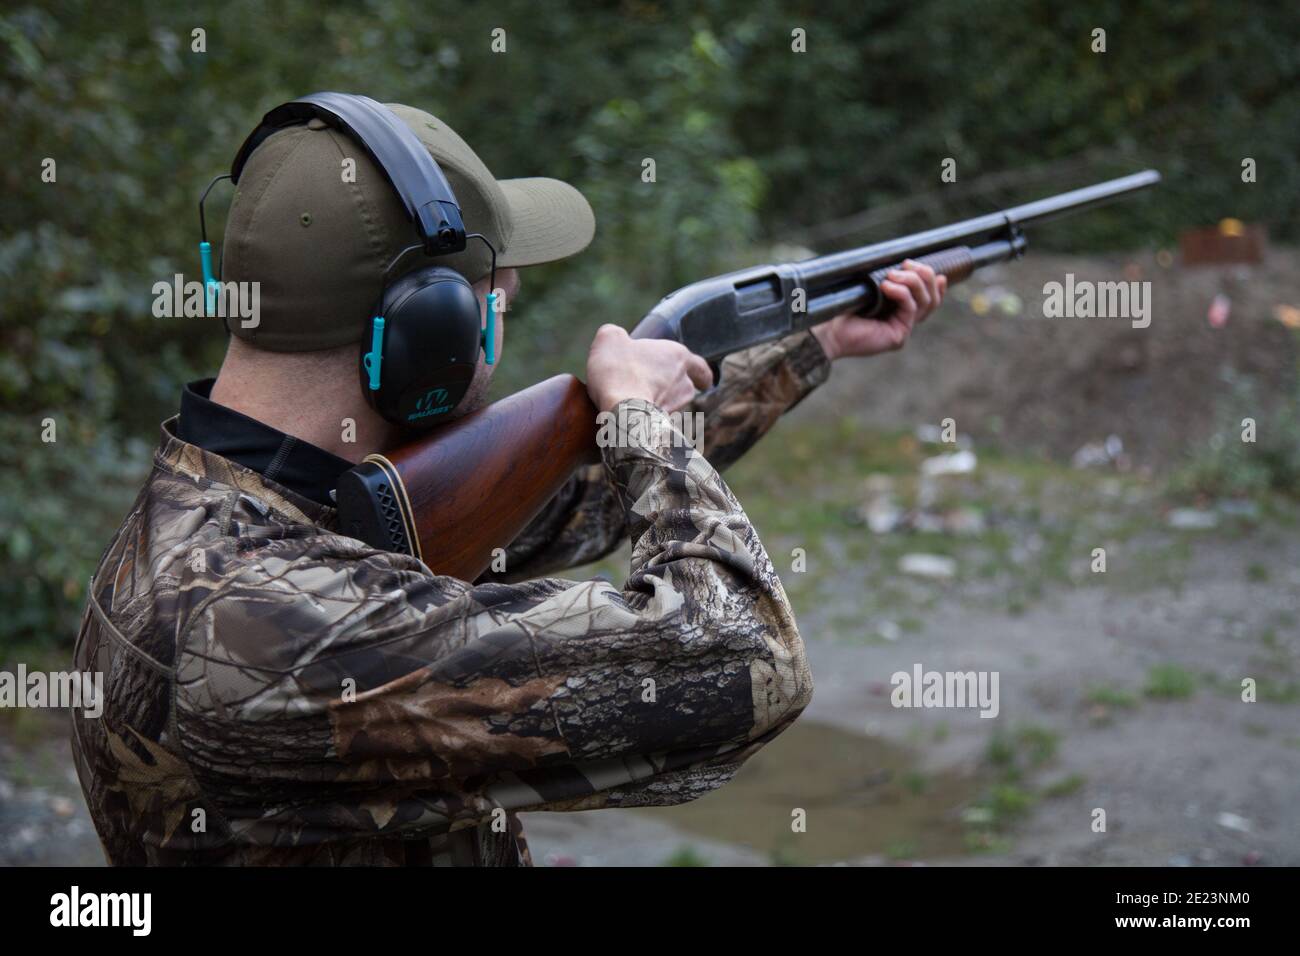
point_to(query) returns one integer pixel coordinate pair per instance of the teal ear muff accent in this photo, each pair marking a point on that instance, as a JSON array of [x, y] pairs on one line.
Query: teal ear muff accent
[[374, 359], [490, 333], [209, 283]]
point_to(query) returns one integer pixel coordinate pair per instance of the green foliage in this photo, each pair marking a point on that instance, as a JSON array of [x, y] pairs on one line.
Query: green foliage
[[1014, 753], [1226, 466], [1169, 682], [901, 850], [1012, 757], [752, 144], [1066, 786], [686, 856], [1112, 697]]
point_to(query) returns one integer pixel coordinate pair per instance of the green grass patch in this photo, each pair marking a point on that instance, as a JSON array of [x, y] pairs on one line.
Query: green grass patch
[[686, 856], [1169, 682], [901, 850], [1011, 756], [1066, 786], [1105, 696], [1028, 747]]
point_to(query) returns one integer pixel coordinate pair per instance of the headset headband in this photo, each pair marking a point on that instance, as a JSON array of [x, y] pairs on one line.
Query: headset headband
[[398, 152]]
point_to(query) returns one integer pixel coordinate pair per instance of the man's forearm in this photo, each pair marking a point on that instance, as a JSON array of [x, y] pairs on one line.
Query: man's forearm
[[585, 521], [756, 388]]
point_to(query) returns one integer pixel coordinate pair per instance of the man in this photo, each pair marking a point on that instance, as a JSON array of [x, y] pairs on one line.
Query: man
[[280, 693]]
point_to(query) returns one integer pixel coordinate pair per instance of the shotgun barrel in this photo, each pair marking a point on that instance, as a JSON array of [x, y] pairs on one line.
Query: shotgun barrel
[[724, 314]]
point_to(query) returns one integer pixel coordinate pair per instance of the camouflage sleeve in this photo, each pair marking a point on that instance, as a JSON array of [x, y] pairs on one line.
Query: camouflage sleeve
[[756, 388], [323, 686], [584, 522]]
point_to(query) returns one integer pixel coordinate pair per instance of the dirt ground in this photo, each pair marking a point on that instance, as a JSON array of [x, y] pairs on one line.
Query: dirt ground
[[1119, 692], [1035, 384]]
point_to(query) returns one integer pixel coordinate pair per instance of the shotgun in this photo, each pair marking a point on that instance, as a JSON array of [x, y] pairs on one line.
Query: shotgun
[[465, 489]]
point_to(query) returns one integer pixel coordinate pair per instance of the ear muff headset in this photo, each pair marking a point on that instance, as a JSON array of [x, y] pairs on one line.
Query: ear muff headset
[[422, 340]]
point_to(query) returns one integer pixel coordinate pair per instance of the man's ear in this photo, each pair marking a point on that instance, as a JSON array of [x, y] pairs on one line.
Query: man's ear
[[507, 286]]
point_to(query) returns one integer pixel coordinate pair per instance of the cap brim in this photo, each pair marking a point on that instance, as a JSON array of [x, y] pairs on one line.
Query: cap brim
[[550, 220]]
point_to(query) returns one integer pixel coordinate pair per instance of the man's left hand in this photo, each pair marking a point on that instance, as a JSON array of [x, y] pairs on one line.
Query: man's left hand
[[916, 292]]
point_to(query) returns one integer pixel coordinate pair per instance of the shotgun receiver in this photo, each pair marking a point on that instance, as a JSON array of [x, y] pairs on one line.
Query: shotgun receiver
[[465, 489]]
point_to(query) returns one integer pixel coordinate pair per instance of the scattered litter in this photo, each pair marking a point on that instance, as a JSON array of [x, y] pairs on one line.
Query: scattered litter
[[1220, 309], [956, 463], [884, 520], [927, 492], [1192, 519], [1288, 315], [977, 816], [996, 297], [933, 435], [881, 513], [62, 806], [928, 565], [889, 630], [1099, 453], [1233, 822], [1237, 507]]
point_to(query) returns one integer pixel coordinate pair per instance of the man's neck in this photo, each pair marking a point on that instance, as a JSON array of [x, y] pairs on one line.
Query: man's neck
[[312, 396]]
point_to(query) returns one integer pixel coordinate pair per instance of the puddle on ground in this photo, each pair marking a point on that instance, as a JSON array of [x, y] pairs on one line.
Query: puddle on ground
[[863, 795]]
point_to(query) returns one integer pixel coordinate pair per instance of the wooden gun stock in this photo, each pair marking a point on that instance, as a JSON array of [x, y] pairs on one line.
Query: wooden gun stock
[[451, 501]]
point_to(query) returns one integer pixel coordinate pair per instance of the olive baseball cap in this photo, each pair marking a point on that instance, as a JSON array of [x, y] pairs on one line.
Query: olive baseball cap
[[318, 240]]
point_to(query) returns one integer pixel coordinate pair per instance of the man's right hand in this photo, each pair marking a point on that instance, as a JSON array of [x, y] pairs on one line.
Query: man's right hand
[[667, 374]]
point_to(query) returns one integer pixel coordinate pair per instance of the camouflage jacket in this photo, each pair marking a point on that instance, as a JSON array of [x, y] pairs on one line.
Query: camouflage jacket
[[279, 693]]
